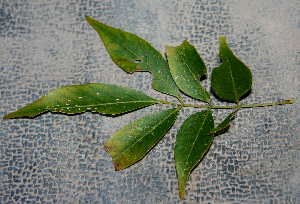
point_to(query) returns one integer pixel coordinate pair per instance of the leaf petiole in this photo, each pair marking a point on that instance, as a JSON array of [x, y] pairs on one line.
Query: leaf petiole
[[181, 101]]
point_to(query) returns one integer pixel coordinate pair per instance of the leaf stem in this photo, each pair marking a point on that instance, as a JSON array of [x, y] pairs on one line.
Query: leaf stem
[[291, 101], [181, 102]]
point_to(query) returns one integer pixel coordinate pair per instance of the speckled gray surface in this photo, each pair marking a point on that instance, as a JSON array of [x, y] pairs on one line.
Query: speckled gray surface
[[54, 158]]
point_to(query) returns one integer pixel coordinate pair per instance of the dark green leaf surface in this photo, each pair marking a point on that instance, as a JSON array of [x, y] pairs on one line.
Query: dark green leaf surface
[[132, 53], [133, 141], [191, 144], [187, 67], [102, 98], [223, 124], [233, 78]]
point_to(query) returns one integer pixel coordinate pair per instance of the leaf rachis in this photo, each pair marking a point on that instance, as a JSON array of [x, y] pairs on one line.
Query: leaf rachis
[[230, 81]]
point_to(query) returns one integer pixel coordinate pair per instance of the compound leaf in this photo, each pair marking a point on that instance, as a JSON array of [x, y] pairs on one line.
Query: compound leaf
[[233, 78], [102, 98], [191, 144], [132, 53], [187, 67], [133, 141]]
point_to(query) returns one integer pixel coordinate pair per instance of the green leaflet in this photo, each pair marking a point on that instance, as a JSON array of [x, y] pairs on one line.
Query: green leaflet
[[187, 67], [223, 124], [102, 98], [132, 53], [191, 144], [133, 141], [233, 78]]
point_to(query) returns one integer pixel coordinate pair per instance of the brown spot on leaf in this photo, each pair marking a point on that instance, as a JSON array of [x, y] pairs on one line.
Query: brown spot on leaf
[[117, 166], [121, 60], [121, 163], [110, 148]]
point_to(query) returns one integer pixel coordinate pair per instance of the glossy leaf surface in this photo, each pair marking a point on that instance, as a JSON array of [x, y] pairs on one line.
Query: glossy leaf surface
[[102, 98], [233, 78], [187, 67], [132, 53], [133, 141], [191, 144], [223, 124]]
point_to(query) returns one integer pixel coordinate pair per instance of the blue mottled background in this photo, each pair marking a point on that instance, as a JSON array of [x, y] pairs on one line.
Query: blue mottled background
[[55, 158]]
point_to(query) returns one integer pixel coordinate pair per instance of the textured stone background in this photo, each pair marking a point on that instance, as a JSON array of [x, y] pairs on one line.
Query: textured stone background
[[54, 158]]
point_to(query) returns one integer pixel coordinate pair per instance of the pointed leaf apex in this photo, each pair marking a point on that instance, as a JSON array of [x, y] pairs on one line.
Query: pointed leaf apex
[[232, 79], [127, 49], [90, 20], [181, 194], [95, 97], [191, 145]]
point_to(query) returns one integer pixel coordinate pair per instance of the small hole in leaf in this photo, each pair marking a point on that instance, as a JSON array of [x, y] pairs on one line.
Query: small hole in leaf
[[136, 61]]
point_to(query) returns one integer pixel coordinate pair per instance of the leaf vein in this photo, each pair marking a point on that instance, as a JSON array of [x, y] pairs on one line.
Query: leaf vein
[[146, 134], [152, 69], [196, 139]]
